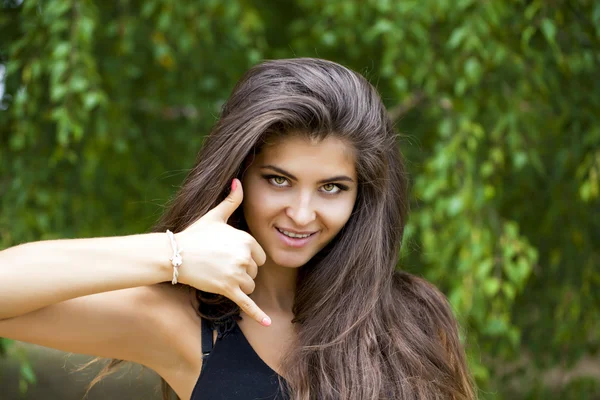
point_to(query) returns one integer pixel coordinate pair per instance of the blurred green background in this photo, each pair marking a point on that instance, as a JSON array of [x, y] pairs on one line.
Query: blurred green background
[[103, 106]]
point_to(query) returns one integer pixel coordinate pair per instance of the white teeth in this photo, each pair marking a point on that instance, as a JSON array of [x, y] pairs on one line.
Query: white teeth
[[294, 235]]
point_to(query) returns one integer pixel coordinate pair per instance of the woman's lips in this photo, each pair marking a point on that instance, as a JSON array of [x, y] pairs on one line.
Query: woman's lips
[[295, 242]]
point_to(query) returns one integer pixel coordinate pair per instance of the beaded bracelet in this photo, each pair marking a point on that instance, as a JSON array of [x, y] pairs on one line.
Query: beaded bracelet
[[176, 260]]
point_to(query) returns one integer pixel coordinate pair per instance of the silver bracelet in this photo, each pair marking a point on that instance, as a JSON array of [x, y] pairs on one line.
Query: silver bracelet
[[176, 260]]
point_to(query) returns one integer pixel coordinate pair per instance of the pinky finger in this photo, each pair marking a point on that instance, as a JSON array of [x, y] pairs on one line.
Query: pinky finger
[[249, 307]]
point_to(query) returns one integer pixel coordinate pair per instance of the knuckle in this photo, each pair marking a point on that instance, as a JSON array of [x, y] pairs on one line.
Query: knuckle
[[230, 199], [253, 272], [248, 285], [242, 259], [246, 304], [222, 288], [248, 239], [247, 290], [240, 277]]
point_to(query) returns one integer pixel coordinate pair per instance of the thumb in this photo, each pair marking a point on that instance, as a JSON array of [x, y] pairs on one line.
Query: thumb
[[224, 210]]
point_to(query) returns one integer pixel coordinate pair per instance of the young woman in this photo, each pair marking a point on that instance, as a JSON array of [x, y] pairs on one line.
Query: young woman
[[289, 228]]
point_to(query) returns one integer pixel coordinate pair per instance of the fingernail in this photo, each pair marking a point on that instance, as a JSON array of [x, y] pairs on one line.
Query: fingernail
[[233, 184], [266, 321]]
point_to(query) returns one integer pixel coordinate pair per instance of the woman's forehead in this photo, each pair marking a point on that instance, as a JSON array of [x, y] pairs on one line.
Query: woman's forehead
[[301, 152]]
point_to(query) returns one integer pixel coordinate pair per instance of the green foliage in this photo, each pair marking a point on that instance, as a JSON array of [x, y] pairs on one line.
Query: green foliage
[[27, 376], [497, 103], [4, 343]]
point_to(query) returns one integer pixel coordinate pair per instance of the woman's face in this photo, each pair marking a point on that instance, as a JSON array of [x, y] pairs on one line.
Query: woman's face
[[298, 194]]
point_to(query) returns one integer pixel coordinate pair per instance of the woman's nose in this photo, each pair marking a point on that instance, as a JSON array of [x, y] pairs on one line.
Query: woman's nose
[[302, 212]]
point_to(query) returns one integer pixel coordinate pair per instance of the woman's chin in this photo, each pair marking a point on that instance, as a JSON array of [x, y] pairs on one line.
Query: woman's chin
[[289, 260]]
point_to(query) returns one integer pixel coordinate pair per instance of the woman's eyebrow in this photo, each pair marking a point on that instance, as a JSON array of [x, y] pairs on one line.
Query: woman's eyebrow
[[284, 172]]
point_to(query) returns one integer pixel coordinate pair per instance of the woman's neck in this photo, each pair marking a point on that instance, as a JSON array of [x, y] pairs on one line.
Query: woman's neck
[[275, 288]]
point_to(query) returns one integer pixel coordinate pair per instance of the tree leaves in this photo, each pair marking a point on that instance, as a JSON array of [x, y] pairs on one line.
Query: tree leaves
[[496, 104]]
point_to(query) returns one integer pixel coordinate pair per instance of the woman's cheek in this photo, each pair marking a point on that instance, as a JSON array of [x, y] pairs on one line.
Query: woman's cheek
[[273, 203], [338, 214]]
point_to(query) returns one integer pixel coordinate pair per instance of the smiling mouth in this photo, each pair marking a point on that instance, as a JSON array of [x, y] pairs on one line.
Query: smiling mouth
[[293, 235]]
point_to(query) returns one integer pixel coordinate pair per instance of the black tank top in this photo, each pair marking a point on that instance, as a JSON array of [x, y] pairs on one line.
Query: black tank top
[[232, 370]]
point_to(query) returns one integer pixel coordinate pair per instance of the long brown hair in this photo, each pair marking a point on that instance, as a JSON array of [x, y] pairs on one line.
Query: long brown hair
[[364, 329]]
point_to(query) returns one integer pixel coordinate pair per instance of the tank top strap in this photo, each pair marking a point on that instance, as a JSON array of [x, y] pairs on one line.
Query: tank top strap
[[223, 328], [207, 338], [226, 325]]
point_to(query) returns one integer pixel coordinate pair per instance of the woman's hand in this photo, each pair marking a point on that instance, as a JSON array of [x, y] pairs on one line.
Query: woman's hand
[[218, 258]]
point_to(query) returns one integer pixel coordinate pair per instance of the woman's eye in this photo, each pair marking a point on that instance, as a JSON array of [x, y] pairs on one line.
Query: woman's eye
[[331, 188], [281, 181], [278, 180]]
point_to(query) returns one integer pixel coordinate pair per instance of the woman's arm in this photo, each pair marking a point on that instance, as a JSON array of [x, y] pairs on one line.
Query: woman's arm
[[217, 259], [35, 275], [100, 296], [156, 326]]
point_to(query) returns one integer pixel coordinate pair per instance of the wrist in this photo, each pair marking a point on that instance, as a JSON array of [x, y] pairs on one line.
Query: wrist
[[161, 254], [175, 259]]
